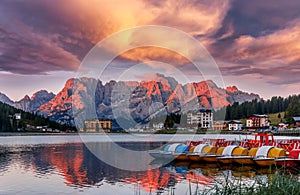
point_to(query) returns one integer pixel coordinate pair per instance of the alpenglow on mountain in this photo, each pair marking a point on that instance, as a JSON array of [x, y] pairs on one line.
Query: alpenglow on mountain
[[136, 100], [127, 99]]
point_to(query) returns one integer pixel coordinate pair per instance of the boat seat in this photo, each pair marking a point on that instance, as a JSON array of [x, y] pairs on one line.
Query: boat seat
[[228, 150], [263, 151]]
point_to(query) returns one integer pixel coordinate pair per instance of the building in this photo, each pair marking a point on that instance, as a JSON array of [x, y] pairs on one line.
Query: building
[[257, 121], [201, 119], [220, 125], [235, 125], [296, 122], [97, 126], [158, 125], [283, 126], [17, 116]]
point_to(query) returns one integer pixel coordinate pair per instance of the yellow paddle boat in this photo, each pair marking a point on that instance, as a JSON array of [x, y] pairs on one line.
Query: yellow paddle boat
[[212, 158], [248, 159], [266, 155], [196, 153], [230, 152]]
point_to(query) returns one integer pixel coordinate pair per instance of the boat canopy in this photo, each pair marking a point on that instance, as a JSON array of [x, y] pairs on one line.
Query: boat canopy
[[263, 151], [166, 148], [264, 138], [173, 147], [199, 148], [228, 150], [182, 148]]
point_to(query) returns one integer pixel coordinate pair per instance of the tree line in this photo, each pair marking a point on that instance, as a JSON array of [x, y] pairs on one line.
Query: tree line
[[9, 123], [289, 105]]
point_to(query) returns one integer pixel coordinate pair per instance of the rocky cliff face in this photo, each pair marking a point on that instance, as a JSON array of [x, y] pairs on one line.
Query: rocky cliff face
[[23, 104], [32, 104], [4, 99], [89, 98], [76, 96], [235, 95], [29, 104], [39, 98]]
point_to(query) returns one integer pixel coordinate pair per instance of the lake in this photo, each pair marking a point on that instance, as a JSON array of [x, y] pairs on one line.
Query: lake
[[107, 164]]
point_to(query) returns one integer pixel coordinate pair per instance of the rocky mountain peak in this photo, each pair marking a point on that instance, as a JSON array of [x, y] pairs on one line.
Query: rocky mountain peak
[[232, 89], [69, 83], [85, 94], [41, 94], [25, 98], [4, 99], [32, 104], [23, 104], [209, 83], [39, 98]]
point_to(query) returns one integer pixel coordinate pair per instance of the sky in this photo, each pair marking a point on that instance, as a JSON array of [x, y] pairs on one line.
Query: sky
[[255, 44]]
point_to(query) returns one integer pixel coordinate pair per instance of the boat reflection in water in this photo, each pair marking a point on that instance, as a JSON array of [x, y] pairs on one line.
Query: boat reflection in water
[[72, 167]]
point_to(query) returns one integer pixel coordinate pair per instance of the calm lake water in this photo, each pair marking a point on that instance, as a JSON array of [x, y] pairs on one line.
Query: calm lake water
[[100, 164]]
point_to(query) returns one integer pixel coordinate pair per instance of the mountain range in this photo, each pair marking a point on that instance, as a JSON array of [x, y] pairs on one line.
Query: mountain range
[[88, 98], [29, 104]]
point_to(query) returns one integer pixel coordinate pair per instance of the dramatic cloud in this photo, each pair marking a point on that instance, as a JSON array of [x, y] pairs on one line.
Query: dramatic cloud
[[249, 39], [282, 46], [276, 55], [56, 35], [30, 53], [258, 17]]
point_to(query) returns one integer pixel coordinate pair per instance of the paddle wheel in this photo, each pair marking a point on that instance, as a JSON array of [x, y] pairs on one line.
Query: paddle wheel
[[289, 145], [261, 139], [267, 139]]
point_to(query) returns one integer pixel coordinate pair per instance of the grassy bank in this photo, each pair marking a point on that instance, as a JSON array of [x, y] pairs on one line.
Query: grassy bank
[[274, 118], [279, 184]]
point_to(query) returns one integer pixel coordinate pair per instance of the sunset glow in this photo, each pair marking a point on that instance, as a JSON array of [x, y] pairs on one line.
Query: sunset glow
[[256, 43]]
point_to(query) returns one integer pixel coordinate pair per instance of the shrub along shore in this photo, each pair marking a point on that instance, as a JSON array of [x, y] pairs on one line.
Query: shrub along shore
[[279, 184]]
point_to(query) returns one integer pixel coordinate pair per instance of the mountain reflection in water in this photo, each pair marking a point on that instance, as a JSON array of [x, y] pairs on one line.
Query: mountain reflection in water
[[79, 170]]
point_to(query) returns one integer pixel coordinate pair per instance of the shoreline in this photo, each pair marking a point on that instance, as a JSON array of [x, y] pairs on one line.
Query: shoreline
[[290, 133], [8, 134]]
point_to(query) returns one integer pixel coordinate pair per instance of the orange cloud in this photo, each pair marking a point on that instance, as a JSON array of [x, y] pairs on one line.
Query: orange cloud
[[68, 30], [193, 17], [279, 47], [154, 53], [101, 18]]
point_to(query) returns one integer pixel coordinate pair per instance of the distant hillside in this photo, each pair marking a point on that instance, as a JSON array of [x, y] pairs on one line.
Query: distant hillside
[[288, 107], [9, 123]]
